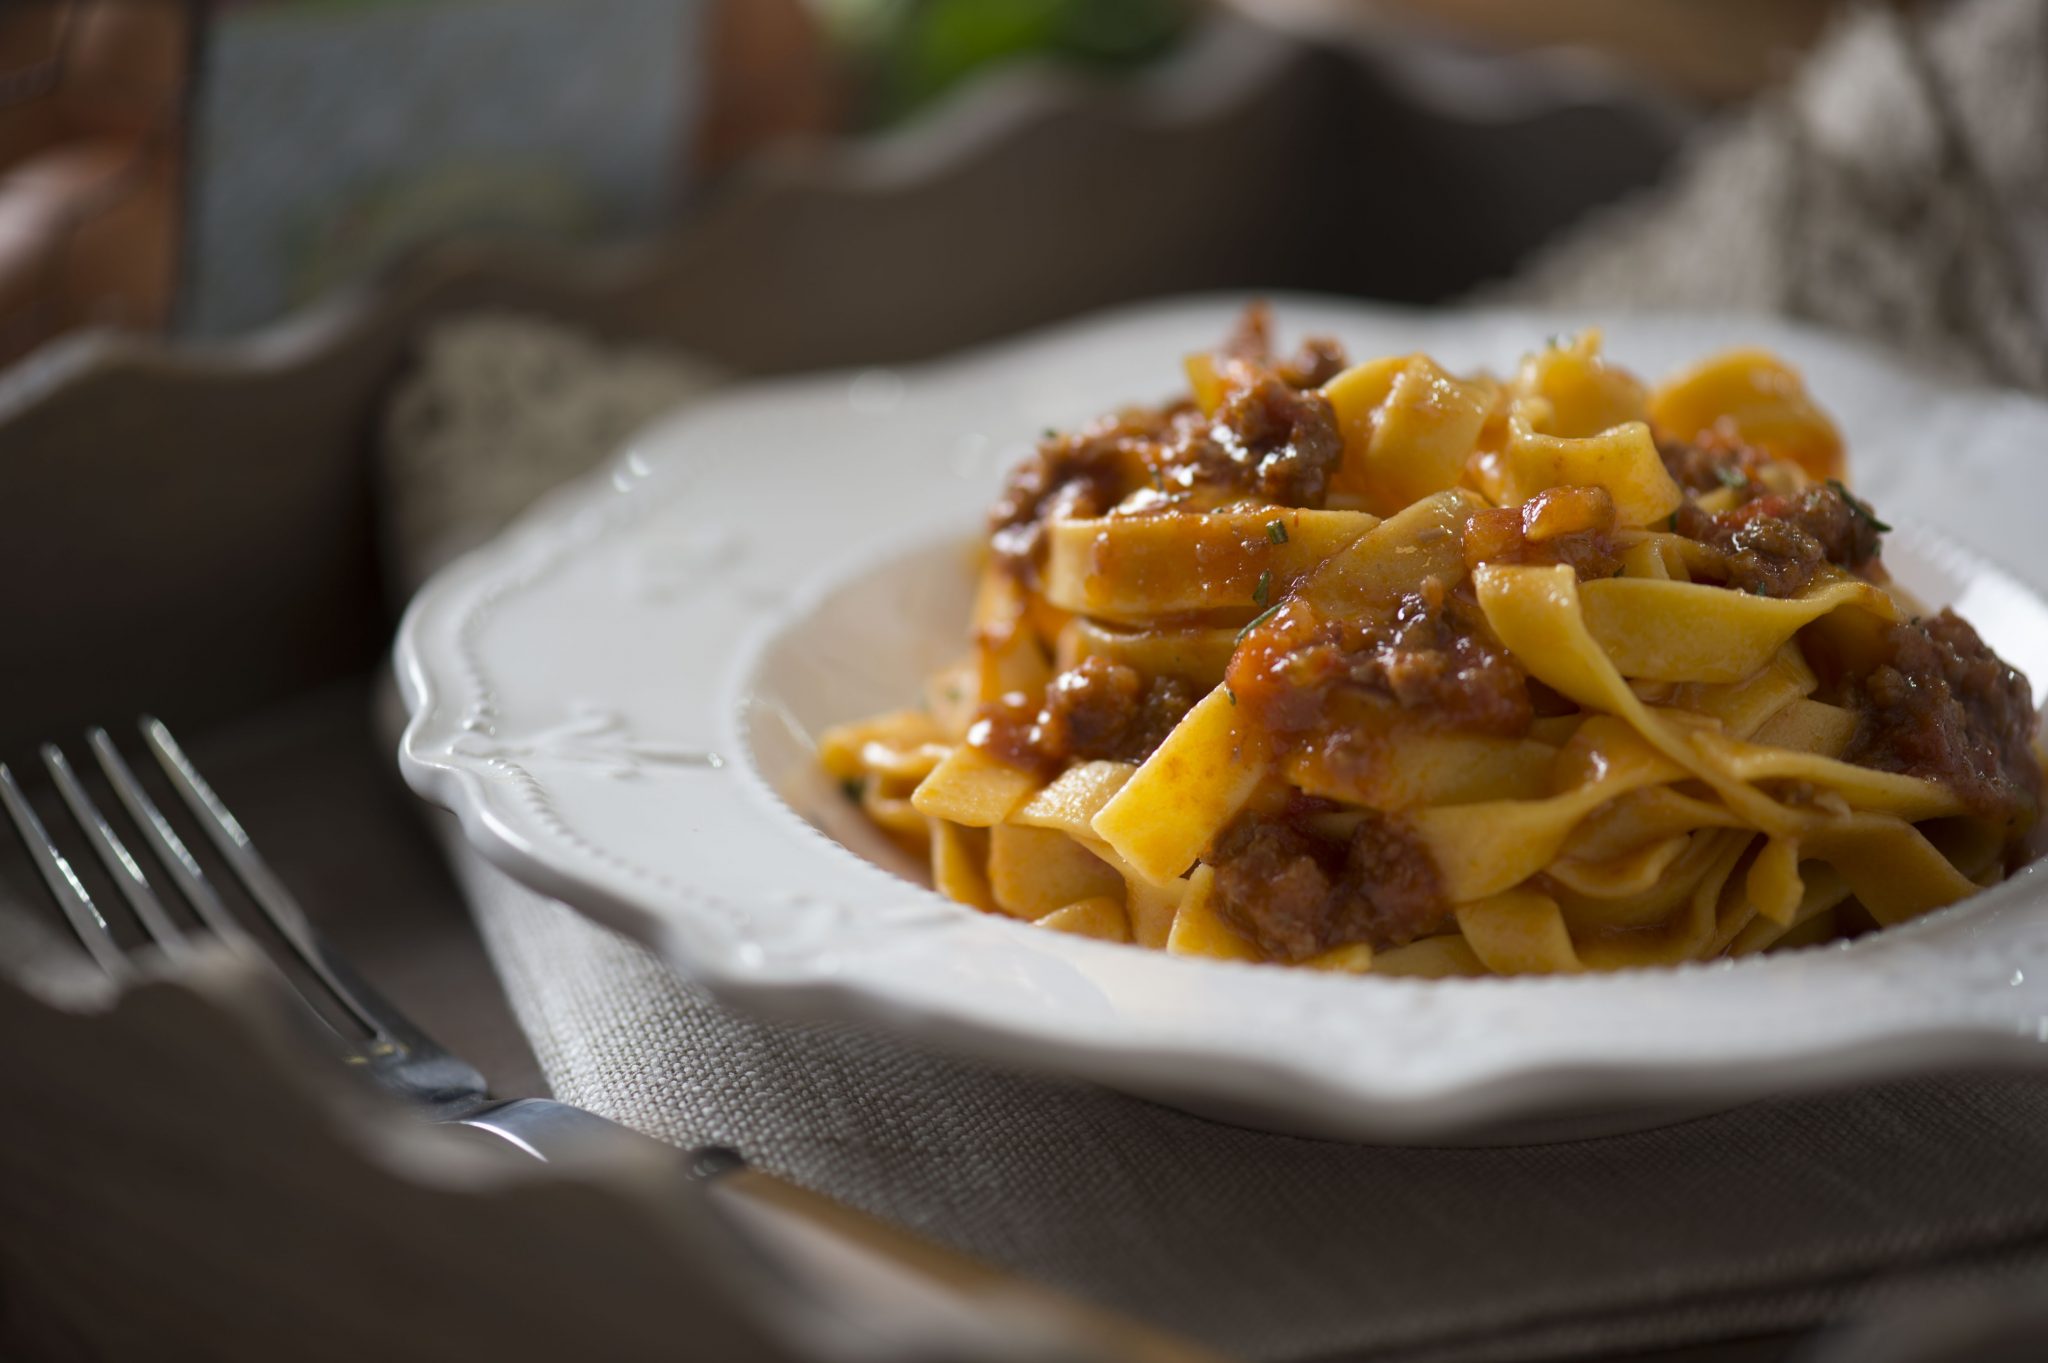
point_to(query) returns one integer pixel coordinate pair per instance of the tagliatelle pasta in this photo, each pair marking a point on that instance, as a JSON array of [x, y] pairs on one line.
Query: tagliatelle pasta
[[1379, 668]]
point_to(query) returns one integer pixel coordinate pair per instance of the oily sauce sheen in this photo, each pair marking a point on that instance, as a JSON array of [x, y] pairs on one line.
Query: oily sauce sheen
[[1273, 442], [1299, 876], [1097, 710]]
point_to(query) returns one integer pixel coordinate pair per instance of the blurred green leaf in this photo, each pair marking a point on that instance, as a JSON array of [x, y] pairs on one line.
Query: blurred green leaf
[[910, 52]]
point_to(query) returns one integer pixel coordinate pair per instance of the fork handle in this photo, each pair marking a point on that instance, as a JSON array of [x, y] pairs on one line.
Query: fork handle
[[544, 1128], [541, 1127]]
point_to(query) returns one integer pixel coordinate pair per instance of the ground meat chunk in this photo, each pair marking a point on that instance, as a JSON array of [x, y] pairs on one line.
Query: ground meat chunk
[[1320, 359], [1776, 545], [1701, 468], [1268, 443], [1281, 444], [1093, 711], [1080, 474], [1298, 894], [1434, 656], [1943, 706], [1100, 709], [1273, 440], [1570, 525]]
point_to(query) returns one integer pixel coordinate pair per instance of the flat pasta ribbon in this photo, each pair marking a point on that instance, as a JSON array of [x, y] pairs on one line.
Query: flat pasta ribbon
[[1538, 743]]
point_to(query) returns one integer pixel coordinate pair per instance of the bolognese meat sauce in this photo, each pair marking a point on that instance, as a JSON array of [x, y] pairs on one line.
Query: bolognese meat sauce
[[1333, 698], [1273, 440], [1941, 705], [1319, 360], [1702, 468], [1298, 894], [1078, 474], [1938, 704], [1434, 656], [1093, 711], [1775, 545]]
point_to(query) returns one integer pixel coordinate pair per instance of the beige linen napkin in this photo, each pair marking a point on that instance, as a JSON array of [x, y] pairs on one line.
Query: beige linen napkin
[[1765, 1218], [1846, 200]]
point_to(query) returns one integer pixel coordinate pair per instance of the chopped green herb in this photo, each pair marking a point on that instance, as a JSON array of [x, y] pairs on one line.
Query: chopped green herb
[[1758, 590], [1049, 434], [1264, 590], [1859, 509], [1731, 477], [851, 787], [1230, 693], [1671, 521], [1257, 620], [953, 692], [1276, 531], [1158, 480]]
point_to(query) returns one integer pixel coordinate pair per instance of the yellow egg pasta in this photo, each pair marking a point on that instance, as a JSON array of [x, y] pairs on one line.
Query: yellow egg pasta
[[1380, 669]]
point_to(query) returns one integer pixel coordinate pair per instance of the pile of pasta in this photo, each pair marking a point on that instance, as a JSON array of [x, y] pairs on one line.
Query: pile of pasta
[[1677, 790]]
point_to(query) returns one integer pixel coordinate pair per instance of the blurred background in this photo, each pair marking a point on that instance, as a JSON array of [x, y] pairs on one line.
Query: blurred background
[[298, 298], [448, 253], [202, 169]]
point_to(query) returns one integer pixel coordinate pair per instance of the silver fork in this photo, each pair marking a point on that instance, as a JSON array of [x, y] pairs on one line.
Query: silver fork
[[408, 1063], [383, 1041]]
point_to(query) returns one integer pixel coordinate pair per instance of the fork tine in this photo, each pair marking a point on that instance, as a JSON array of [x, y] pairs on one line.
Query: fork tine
[[170, 849], [261, 882], [184, 869], [127, 876], [64, 883]]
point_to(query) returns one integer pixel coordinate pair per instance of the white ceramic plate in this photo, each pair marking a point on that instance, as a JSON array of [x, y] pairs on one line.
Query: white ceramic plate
[[618, 698]]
